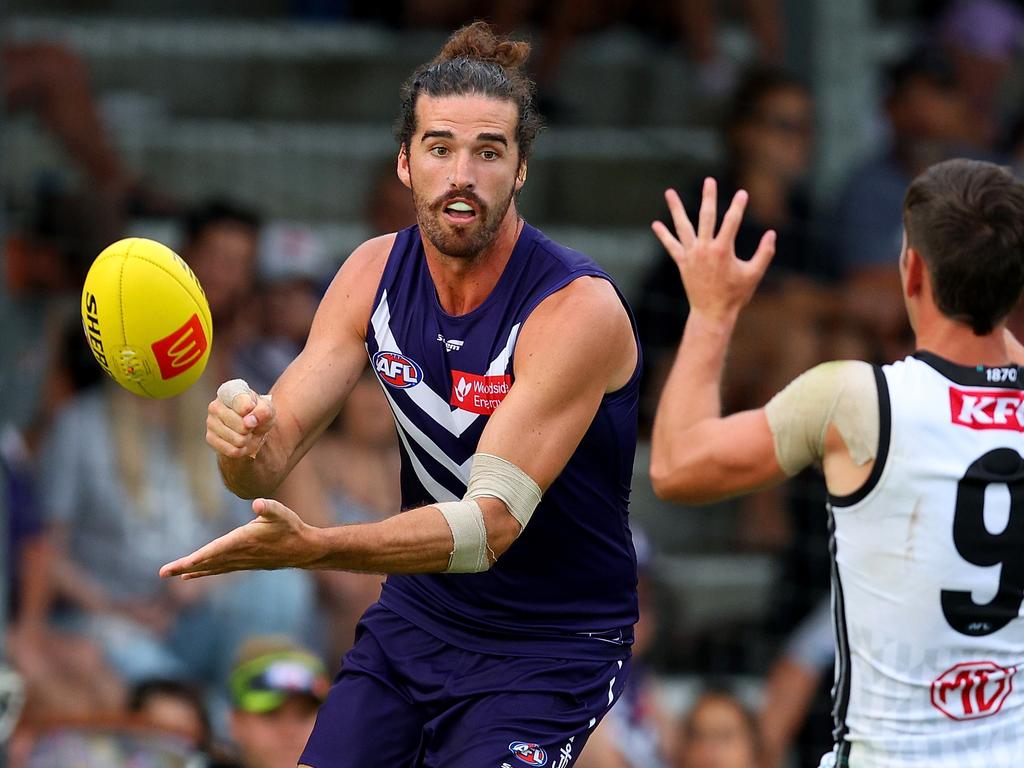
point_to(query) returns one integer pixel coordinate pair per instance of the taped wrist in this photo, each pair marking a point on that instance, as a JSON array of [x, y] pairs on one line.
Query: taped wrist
[[494, 477], [469, 534]]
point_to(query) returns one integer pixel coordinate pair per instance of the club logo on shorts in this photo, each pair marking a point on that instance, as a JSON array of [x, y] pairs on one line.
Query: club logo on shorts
[[528, 752], [178, 352], [479, 394], [972, 689], [987, 408], [397, 370]]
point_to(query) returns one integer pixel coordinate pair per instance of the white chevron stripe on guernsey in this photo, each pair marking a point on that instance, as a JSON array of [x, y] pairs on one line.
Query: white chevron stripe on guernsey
[[437, 491], [456, 420], [415, 434]]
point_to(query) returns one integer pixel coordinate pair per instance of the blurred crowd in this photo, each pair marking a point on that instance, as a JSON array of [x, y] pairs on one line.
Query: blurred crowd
[[101, 488]]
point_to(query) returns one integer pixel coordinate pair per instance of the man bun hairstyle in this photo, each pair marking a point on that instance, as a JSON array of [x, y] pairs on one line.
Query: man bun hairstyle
[[966, 220], [476, 61]]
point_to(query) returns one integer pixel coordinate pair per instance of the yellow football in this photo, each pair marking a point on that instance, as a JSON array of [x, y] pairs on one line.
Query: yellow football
[[146, 318]]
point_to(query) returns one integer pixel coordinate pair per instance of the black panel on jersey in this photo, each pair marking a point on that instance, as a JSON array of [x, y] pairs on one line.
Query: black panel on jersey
[[972, 376], [884, 429], [841, 689]]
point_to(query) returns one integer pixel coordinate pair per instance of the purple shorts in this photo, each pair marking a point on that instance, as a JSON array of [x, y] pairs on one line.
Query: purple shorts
[[405, 699]]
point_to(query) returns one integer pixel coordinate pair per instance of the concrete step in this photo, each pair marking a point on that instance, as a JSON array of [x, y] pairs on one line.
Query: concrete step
[[578, 177], [286, 70]]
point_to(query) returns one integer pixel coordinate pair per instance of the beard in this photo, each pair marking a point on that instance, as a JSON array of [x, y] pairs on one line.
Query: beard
[[460, 241]]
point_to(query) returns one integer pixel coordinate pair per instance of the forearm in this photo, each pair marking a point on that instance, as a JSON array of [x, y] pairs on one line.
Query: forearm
[[692, 391], [416, 541]]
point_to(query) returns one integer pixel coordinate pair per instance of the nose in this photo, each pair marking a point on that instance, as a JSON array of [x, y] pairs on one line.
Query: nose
[[462, 176]]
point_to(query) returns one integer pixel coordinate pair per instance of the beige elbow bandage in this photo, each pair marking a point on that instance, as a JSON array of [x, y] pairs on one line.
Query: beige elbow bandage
[[497, 478], [841, 393]]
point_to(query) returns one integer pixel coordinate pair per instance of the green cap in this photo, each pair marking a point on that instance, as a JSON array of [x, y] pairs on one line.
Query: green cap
[[264, 683]]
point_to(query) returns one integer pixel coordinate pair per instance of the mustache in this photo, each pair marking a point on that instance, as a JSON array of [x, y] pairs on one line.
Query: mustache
[[464, 193]]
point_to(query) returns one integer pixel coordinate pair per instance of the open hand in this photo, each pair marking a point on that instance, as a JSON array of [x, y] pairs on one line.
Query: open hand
[[718, 284], [276, 538]]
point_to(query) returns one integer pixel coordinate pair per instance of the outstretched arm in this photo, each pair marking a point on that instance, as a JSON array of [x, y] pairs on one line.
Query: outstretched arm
[[537, 428], [697, 456]]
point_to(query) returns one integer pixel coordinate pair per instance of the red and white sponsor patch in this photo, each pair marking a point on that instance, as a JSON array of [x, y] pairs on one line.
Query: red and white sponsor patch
[[987, 408], [479, 394], [178, 352], [972, 689]]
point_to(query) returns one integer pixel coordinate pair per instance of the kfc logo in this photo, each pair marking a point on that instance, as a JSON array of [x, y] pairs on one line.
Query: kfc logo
[[972, 689], [987, 408], [178, 352]]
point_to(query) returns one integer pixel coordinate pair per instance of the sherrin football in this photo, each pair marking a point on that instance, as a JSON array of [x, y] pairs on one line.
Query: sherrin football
[[146, 318]]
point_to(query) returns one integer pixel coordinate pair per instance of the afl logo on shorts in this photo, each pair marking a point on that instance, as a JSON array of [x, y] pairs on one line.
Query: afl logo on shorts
[[397, 370], [529, 753]]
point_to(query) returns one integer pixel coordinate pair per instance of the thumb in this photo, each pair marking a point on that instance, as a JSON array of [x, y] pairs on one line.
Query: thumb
[[269, 509]]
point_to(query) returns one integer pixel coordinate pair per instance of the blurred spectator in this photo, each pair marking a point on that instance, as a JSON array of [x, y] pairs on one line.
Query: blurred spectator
[[638, 731], [768, 136], [389, 205], [276, 688], [137, 486], [292, 267], [793, 692], [719, 732], [982, 38], [175, 706], [930, 121], [51, 80], [358, 464]]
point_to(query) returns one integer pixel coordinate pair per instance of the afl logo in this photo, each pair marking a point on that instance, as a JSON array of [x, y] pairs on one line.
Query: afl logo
[[529, 753], [397, 370]]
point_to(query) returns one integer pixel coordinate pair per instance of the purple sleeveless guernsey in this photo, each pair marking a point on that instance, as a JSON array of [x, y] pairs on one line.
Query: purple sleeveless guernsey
[[566, 588]]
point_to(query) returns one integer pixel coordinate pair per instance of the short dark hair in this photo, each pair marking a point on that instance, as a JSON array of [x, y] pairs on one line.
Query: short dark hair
[[183, 690], [213, 212], [475, 61], [966, 219]]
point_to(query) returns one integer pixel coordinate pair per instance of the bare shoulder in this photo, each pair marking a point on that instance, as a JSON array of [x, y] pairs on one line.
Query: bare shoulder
[[587, 316], [349, 298]]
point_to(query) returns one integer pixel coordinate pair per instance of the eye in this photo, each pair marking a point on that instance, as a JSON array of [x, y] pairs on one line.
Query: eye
[[489, 154], [439, 151]]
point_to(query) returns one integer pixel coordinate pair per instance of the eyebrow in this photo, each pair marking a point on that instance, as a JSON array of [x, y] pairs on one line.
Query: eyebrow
[[497, 137]]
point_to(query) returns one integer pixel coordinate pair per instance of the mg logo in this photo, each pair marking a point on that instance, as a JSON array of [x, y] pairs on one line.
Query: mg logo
[[972, 689], [178, 352]]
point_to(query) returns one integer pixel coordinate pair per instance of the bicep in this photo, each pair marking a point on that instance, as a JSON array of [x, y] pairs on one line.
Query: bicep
[[574, 348], [313, 388], [724, 457]]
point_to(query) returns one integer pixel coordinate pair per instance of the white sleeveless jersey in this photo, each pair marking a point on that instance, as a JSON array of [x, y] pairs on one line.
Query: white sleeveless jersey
[[928, 576]]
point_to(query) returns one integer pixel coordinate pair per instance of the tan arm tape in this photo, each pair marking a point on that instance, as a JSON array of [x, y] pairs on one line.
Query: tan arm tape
[[842, 393]]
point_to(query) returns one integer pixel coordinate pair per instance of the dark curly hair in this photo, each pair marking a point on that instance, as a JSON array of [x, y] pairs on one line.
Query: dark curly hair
[[475, 61]]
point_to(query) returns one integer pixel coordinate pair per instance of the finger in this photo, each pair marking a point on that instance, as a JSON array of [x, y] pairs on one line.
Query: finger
[[261, 418], [226, 433], [270, 509], [684, 229], [708, 210], [237, 395], [224, 414], [733, 217], [224, 448], [763, 255], [675, 250]]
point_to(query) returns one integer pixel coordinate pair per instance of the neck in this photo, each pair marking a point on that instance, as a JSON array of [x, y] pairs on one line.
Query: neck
[[463, 284], [957, 343]]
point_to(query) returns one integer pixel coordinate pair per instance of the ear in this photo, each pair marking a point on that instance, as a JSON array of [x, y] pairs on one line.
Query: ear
[[404, 173], [521, 176], [915, 273]]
